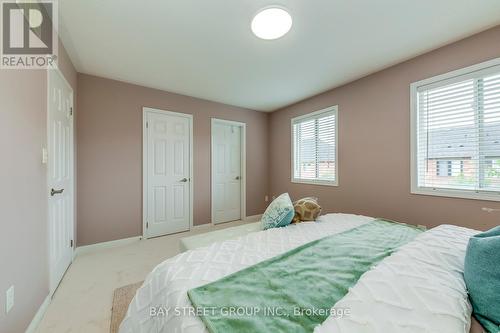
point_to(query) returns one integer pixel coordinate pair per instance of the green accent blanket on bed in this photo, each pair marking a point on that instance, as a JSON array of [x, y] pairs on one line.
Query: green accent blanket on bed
[[294, 292]]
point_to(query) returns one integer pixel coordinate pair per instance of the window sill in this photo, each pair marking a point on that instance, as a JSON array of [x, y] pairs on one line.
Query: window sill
[[461, 194], [315, 182]]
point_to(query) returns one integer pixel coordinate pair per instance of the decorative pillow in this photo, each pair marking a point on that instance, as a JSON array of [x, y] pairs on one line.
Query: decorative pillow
[[279, 213], [482, 277], [306, 209]]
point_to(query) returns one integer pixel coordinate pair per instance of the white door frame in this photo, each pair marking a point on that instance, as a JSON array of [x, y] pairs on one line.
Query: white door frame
[[145, 111], [56, 71], [243, 195]]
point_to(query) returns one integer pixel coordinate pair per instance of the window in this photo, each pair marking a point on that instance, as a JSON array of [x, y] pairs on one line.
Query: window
[[314, 143], [456, 133]]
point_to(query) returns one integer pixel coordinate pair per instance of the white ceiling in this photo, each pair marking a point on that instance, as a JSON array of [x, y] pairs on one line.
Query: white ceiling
[[205, 48]]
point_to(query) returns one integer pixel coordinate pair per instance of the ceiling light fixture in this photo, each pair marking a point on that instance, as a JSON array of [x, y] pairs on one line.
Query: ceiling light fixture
[[271, 23]]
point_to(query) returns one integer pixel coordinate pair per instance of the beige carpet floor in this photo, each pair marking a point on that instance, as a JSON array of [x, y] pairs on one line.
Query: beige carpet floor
[[121, 300], [83, 301]]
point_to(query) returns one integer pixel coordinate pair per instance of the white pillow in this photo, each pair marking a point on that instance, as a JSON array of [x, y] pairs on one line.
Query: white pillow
[[279, 213]]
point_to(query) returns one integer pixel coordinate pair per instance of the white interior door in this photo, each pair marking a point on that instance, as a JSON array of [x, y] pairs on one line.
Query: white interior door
[[60, 176], [226, 171], [168, 172]]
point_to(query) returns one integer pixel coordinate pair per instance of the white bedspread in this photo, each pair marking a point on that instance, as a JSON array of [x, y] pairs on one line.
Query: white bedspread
[[167, 285], [419, 289]]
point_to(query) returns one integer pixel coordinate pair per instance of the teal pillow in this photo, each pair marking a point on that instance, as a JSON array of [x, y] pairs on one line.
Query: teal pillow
[[482, 277], [279, 213]]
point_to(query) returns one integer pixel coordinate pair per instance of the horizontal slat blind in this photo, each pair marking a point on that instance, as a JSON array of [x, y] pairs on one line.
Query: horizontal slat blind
[[458, 133], [314, 151]]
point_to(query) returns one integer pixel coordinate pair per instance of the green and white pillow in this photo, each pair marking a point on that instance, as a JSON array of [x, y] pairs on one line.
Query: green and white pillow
[[279, 213]]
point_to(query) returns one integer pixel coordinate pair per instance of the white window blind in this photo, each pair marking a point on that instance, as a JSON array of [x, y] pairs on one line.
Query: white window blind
[[458, 134], [314, 153]]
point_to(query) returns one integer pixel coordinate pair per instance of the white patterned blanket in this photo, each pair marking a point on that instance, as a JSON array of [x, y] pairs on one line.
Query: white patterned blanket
[[419, 289], [164, 292]]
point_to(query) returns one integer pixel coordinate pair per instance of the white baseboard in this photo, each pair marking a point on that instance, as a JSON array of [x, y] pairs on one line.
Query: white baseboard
[[38, 315], [253, 218], [105, 245]]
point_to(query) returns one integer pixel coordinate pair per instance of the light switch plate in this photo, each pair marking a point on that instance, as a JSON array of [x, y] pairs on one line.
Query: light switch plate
[[9, 299], [45, 156]]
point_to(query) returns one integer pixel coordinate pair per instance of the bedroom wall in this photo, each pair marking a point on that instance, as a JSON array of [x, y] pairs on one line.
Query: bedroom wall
[[374, 142], [109, 127], [23, 210]]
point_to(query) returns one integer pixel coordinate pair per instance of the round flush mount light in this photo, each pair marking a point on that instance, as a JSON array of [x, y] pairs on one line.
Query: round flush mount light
[[271, 23]]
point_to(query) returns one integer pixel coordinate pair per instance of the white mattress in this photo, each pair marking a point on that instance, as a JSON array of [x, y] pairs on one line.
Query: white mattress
[[167, 285], [420, 289]]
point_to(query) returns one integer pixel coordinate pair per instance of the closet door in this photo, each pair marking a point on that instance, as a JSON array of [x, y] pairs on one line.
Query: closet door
[[168, 168], [226, 171]]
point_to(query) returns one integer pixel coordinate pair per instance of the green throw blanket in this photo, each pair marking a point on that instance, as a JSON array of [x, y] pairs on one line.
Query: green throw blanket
[[295, 291]]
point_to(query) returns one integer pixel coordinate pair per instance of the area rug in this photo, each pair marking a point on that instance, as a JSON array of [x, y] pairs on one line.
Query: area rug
[[121, 300]]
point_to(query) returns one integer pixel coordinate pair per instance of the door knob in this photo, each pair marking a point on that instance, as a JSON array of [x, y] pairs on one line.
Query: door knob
[[183, 180], [54, 192], [237, 178]]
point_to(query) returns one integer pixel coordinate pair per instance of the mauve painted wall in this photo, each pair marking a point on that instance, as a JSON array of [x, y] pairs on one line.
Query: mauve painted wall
[[23, 199], [109, 135], [374, 142]]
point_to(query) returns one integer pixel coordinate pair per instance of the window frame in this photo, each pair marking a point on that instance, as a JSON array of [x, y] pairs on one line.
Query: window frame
[[436, 81], [309, 116]]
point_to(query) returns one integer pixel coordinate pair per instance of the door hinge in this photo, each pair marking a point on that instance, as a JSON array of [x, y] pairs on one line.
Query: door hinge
[[71, 243], [147, 225], [71, 111], [147, 124]]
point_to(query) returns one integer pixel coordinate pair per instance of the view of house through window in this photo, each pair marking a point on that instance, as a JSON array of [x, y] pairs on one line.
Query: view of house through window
[[458, 133], [449, 168], [314, 147]]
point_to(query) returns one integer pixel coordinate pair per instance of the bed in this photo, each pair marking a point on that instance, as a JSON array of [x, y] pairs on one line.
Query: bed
[[162, 304]]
